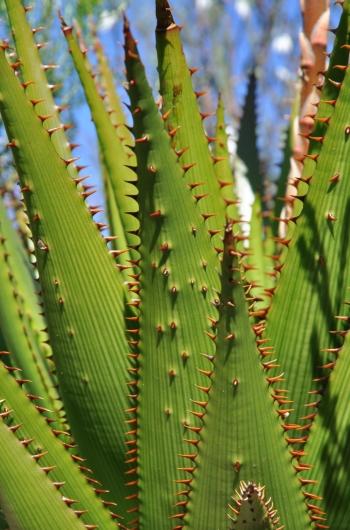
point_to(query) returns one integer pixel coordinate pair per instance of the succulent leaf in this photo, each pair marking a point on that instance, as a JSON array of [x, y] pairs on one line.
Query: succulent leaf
[[115, 158], [261, 260], [232, 451], [28, 499], [112, 101], [223, 169], [30, 422], [286, 167], [316, 270], [34, 77], [176, 382], [325, 473], [82, 290], [178, 284], [251, 511], [184, 121], [21, 324], [113, 106]]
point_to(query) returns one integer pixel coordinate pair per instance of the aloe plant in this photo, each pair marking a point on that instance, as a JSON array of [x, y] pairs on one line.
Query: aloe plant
[[174, 372]]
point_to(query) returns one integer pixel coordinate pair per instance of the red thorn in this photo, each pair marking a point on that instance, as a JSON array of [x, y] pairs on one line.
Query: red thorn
[[156, 213], [143, 139], [193, 70]]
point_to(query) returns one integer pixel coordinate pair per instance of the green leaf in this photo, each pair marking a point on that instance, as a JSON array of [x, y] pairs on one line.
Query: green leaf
[[317, 266], [112, 101], [21, 324], [223, 169], [33, 73], [113, 106], [184, 121], [179, 283], [26, 495], [241, 437], [115, 159], [31, 423], [260, 271], [82, 292], [328, 452], [260, 263]]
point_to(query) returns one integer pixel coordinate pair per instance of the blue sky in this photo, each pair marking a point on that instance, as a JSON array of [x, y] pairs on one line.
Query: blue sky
[[225, 49]]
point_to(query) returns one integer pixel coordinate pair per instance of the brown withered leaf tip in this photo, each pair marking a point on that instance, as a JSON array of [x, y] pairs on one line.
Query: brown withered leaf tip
[[165, 19], [130, 43]]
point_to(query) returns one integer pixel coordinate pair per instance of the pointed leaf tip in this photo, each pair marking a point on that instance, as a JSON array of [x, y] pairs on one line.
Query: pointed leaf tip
[[165, 20], [129, 41], [67, 30]]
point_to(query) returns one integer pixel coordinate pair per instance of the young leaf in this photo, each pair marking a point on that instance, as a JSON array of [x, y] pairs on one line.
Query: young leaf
[[251, 510]]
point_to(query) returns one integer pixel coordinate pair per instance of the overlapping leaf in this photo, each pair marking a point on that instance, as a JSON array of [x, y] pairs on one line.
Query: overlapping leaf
[[178, 285], [82, 290]]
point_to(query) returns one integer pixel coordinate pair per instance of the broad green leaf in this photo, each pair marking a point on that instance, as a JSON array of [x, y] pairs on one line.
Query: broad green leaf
[[33, 426], [316, 272], [178, 283], [28, 499], [35, 81], [329, 450], [82, 292], [241, 437], [115, 159], [21, 324], [184, 121]]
